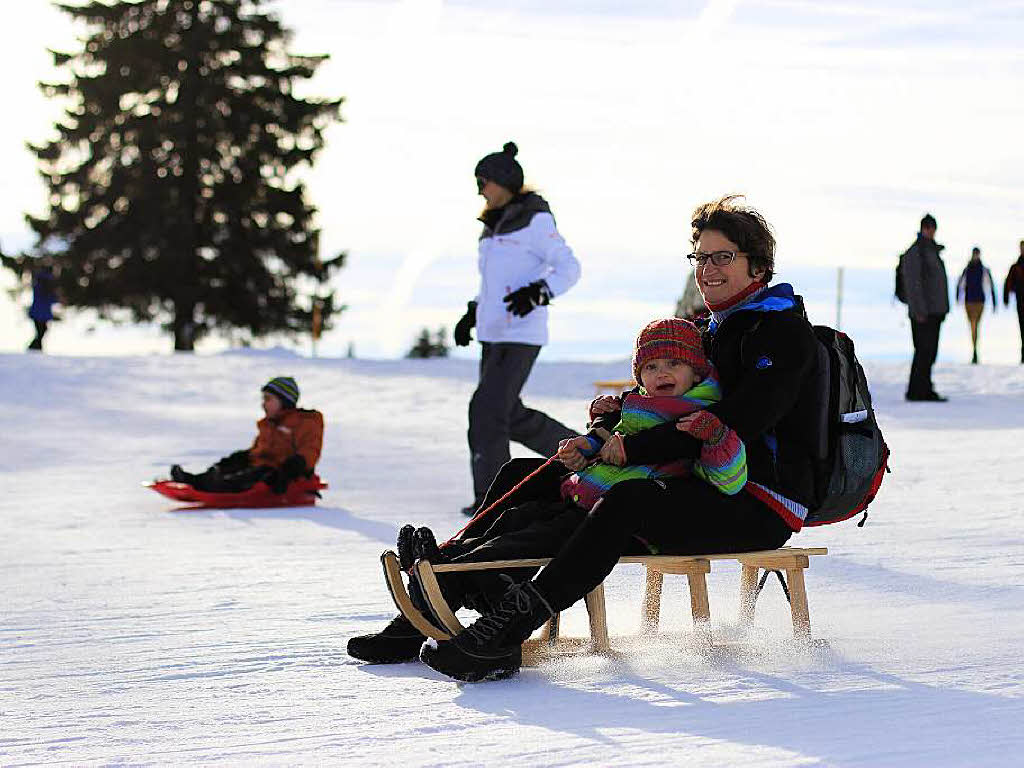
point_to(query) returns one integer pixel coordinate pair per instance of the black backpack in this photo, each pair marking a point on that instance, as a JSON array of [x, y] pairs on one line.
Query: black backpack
[[899, 291], [852, 457]]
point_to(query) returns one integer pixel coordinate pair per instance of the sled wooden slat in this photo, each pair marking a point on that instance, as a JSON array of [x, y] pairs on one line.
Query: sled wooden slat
[[650, 560], [792, 560]]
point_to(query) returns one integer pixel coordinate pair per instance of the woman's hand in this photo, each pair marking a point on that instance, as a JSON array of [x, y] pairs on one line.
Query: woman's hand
[[614, 452], [569, 453]]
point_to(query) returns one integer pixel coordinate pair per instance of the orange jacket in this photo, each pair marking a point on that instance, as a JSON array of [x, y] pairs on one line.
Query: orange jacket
[[295, 430]]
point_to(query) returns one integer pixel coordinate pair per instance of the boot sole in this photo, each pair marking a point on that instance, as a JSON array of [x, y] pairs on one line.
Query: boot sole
[[466, 675]]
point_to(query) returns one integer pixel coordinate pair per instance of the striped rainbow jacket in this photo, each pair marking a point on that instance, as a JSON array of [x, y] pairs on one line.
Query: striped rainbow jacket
[[722, 464]]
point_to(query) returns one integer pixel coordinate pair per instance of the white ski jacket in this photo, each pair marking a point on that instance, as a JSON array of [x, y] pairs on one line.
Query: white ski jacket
[[520, 245]]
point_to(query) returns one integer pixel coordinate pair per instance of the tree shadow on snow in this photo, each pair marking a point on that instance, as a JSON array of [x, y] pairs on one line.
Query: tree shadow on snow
[[859, 715]]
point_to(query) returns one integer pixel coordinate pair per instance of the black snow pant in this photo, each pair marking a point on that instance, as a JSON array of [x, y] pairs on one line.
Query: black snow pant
[[681, 517], [497, 414], [926, 349], [37, 342], [231, 474], [533, 522]]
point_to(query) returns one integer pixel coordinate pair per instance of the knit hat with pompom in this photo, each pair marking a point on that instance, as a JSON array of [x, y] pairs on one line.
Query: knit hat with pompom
[[502, 168]]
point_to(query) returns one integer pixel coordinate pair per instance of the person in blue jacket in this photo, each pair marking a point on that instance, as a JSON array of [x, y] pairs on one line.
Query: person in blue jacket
[[524, 263], [44, 296], [971, 289]]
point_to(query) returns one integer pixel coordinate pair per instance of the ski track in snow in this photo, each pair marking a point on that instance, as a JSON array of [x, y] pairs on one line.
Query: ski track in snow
[[131, 632]]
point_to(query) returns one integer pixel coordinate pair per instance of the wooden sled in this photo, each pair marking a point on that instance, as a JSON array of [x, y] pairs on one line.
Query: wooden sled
[[792, 560]]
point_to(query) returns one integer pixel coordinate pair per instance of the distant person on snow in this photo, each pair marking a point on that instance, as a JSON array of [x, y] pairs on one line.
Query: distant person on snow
[[691, 304], [1015, 284], [524, 263], [971, 288], [927, 293], [287, 447], [677, 384], [44, 296]]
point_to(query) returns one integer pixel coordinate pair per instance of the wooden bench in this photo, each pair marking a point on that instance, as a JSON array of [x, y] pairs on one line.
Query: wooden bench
[[792, 560], [616, 386]]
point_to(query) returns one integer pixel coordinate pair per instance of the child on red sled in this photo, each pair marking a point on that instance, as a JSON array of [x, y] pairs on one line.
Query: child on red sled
[[287, 447]]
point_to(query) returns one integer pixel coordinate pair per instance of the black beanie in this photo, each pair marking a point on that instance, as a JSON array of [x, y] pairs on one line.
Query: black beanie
[[502, 168]]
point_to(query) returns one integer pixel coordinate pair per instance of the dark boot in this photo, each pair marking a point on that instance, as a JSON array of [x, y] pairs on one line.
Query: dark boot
[[399, 641], [406, 555], [491, 647], [179, 475], [424, 546]]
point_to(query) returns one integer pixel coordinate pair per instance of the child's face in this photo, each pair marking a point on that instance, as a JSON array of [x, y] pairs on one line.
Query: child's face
[[665, 376], [272, 405]]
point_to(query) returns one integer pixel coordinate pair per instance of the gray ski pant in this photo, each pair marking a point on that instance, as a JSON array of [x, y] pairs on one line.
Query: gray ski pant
[[497, 414]]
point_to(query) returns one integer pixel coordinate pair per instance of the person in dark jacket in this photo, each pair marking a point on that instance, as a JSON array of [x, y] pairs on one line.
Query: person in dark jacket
[[765, 352], [523, 263], [1014, 283], [927, 294], [971, 289], [44, 296]]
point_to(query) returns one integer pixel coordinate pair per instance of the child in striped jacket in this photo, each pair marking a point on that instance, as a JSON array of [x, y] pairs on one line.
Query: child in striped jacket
[[677, 382]]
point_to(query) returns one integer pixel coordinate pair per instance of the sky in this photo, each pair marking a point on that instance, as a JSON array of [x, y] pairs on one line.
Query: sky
[[842, 122]]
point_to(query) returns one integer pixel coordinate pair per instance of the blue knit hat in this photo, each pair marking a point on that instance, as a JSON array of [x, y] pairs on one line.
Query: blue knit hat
[[285, 388]]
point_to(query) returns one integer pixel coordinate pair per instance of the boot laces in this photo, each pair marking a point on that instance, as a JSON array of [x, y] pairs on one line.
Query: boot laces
[[516, 601]]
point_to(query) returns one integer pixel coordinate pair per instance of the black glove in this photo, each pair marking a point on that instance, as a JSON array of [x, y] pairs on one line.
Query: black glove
[[279, 479], [294, 466], [523, 301], [276, 481], [465, 325]]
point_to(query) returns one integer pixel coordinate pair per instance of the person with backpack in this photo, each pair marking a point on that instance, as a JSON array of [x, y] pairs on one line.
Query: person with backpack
[[766, 354], [524, 263], [971, 288], [925, 289], [1014, 283]]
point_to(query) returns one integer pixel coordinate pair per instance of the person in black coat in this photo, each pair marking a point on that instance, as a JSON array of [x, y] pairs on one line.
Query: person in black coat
[[765, 351]]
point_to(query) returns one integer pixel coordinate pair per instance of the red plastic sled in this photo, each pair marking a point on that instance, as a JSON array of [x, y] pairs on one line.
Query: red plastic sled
[[300, 493]]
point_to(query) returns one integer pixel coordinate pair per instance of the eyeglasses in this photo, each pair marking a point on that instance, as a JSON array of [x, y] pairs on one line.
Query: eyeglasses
[[718, 258], [480, 183]]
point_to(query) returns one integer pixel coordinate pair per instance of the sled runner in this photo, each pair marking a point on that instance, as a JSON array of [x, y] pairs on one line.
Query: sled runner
[[300, 493], [791, 560], [399, 593]]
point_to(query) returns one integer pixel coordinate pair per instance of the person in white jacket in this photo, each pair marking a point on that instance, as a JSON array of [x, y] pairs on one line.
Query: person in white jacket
[[524, 263]]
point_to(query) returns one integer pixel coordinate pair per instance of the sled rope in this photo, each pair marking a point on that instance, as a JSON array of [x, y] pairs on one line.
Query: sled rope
[[491, 507]]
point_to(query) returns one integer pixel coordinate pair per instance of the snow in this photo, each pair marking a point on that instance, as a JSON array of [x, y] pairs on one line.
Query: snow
[[135, 633]]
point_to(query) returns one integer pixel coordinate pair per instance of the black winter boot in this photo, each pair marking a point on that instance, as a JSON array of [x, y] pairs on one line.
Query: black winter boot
[[399, 641], [179, 475], [406, 555], [491, 647], [424, 546]]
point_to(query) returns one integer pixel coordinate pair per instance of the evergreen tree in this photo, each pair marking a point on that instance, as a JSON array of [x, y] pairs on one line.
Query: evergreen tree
[[172, 188], [426, 346]]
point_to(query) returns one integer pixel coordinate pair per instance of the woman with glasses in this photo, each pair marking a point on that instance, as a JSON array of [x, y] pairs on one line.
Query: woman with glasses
[[764, 350], [524, 263]]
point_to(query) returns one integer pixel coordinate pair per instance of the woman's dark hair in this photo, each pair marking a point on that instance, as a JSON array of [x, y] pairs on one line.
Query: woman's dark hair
[[741, 224]]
